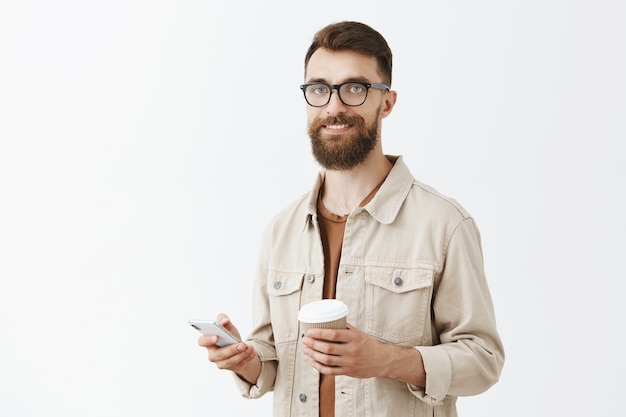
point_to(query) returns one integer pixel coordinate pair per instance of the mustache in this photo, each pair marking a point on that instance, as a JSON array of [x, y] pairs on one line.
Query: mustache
[[337, 120]]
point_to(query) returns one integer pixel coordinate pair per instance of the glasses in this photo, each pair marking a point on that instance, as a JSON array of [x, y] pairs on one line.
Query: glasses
[[351, 93]]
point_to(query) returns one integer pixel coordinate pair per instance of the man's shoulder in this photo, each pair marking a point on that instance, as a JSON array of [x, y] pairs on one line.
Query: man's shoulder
[[427, 194]]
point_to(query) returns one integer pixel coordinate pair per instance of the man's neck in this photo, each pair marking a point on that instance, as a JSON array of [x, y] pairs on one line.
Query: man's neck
[[345, 190]]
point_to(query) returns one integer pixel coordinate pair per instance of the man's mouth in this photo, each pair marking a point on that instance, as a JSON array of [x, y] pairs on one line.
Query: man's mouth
[[336, 127]]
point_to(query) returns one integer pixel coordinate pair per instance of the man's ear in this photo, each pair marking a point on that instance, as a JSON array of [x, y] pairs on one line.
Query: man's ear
[[388, 103]]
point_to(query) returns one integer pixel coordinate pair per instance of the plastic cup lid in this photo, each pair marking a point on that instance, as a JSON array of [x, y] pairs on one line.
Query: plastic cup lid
[[322, 311]]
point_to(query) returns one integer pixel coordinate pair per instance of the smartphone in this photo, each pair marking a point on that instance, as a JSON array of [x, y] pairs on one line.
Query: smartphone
[[213, 327]]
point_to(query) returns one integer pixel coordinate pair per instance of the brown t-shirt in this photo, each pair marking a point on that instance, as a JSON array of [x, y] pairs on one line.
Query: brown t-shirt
[[332, 227]]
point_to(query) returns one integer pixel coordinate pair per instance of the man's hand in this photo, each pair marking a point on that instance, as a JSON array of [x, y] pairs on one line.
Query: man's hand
[[238, 357], [354, 353]]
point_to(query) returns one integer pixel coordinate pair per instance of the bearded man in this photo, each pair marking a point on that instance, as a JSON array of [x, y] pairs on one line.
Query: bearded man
[[405, 259]]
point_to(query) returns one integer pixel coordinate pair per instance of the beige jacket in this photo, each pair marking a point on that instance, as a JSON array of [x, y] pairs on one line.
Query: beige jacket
[[411, 273]]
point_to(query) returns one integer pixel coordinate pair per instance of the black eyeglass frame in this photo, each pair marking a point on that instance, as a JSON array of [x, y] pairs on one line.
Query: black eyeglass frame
[[337, 87]]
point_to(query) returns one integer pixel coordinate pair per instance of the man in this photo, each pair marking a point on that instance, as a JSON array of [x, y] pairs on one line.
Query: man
[[406, 260]]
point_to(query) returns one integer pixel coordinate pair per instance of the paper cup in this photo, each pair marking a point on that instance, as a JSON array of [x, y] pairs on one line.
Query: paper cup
[[325, 314]]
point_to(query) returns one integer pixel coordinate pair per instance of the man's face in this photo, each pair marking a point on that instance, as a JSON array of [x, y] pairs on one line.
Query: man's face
[[343, 136]]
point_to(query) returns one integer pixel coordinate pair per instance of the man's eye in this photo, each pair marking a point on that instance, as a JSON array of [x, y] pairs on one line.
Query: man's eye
[[321, 89]]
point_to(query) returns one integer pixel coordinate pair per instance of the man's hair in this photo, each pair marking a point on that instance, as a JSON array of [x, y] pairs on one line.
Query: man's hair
[[357, 37]]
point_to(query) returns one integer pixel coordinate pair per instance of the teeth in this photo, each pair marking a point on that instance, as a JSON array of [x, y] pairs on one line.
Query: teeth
[[337, 127]]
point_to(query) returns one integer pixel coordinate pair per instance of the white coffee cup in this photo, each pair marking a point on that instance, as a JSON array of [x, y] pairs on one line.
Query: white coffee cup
[[326, 314]]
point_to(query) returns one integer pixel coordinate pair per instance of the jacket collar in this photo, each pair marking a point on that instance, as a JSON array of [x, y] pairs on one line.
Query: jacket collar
[[385, 205]]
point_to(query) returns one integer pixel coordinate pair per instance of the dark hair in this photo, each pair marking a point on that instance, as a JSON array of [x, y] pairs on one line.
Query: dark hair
[[357, 37]]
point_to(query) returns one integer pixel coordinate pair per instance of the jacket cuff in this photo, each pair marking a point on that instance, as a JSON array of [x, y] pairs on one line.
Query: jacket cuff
[[438, 375], [264, 383]]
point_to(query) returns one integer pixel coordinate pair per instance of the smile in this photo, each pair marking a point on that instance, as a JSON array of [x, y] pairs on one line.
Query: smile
[[336, 127]]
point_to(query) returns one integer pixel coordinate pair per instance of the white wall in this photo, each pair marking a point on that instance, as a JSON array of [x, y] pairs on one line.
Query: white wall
[[137, 171]]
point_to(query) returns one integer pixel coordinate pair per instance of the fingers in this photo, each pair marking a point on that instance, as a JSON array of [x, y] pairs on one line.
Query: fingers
[[323, 346], [342, 352], [208, 340], [331, 335], [322, 356], [234, 357], [327, 352], [224, 320], [327, 369]]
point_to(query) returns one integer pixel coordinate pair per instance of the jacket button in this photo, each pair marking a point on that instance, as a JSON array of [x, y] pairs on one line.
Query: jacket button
[[302, 398], [277, 285], [397, 281], [310, 278]]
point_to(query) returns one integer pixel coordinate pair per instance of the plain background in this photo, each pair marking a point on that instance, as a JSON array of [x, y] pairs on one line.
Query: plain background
[[145, 145]]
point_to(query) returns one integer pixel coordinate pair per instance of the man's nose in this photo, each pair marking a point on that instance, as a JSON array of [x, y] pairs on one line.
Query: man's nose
[[335, 105]]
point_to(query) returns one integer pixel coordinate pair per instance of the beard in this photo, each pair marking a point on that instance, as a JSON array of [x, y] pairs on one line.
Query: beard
[[342, 152]]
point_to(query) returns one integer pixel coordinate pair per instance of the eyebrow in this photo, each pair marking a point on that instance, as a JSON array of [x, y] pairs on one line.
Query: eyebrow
[[347, 80]]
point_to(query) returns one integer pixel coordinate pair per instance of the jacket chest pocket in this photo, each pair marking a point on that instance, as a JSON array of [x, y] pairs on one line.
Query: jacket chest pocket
[[397, 303], [284, 292]]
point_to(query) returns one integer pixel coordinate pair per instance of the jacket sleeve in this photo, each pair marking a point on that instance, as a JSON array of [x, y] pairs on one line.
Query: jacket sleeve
[[470, 356]]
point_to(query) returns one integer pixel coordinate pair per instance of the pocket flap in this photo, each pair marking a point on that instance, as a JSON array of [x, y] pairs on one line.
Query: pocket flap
[[284, 283], [399, 280]]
